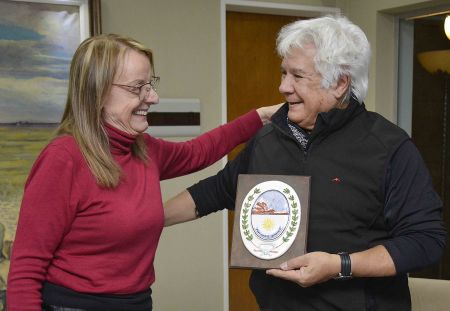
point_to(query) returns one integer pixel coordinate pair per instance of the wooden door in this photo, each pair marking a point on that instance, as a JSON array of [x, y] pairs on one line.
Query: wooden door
[[253, 77]]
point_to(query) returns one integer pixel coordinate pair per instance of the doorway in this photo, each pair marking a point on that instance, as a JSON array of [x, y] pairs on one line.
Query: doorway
[[253, 76], [429, 121]]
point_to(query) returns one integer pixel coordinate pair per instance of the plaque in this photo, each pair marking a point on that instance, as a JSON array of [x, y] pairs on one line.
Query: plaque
[[270, 220]]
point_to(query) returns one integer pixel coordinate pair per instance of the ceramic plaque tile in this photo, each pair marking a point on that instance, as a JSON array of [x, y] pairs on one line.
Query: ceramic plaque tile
[[270, 220]]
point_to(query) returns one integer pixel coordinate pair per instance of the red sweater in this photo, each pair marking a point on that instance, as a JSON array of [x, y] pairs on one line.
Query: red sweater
[[73, 233]]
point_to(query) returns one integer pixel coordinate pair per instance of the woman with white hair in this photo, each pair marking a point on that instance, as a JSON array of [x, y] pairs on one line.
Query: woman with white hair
[[374, 215]]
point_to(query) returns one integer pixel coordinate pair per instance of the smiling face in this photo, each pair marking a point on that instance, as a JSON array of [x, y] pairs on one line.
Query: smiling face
[[302, 88], [123, 109]]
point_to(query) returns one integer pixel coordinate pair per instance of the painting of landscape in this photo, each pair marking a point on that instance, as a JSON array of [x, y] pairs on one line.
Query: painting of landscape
[[37, 42]]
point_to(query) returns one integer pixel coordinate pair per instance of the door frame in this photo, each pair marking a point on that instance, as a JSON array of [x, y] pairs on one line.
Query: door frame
[[404, 22], [262, 8]]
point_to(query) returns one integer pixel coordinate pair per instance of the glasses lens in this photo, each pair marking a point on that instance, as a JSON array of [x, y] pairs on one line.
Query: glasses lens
[[146, 88], [154, 82], [145, 91]]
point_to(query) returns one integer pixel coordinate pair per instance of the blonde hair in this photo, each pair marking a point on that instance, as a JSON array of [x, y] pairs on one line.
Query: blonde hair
[[93, 68]]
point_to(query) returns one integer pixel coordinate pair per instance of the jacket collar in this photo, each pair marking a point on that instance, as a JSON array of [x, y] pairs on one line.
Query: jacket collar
[[326, 123]]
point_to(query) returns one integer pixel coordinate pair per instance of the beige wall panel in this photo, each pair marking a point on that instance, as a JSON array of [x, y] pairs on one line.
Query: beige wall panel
[[381, 31], [185, 38]]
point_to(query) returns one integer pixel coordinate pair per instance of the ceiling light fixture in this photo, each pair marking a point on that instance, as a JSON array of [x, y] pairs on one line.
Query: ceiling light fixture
[[447, 26]]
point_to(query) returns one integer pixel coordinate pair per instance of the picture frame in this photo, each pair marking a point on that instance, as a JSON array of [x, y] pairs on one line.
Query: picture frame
[[37, 43], [270, 220]]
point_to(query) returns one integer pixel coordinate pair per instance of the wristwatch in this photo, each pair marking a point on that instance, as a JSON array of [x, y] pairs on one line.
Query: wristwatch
[[346, 267]]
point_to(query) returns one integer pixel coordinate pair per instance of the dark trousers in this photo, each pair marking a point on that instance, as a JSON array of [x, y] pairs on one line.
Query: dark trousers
[[46, 307]]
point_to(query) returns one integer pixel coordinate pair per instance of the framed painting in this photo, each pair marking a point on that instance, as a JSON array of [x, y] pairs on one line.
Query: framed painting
[[37, 41]]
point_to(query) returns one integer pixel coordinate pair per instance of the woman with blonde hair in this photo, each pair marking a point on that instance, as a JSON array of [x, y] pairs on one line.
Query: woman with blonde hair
[[92, 213]]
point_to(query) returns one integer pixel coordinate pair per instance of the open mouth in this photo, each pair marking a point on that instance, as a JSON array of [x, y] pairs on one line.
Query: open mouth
[[141, 112]]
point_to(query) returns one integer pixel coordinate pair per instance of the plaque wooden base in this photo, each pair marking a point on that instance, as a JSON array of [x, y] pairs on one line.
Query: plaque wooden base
[[271, 220]]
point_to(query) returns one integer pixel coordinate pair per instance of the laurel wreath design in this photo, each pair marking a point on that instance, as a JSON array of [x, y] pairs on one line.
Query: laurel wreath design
[[246, 212], [294, 219]]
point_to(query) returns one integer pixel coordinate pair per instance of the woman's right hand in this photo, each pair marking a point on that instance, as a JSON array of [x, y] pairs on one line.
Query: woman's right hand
[[265, 113]]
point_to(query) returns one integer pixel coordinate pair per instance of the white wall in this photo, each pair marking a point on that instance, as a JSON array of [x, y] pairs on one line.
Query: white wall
[[185, 36], [378, 20]]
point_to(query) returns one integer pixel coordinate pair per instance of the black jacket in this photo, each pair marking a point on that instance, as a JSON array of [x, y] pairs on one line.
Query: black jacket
[[366, 207]]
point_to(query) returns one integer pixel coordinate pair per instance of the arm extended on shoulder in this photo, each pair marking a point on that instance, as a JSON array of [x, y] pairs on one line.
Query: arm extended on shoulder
[[209, 195]]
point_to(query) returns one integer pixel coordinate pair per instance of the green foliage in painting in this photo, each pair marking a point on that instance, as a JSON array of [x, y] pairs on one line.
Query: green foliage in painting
[[19, 147]]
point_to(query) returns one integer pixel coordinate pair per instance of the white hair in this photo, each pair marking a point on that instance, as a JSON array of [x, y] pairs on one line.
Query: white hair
[[342, 49]]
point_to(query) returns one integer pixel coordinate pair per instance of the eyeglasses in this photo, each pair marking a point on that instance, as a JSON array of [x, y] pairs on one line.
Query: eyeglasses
[[142, 90]]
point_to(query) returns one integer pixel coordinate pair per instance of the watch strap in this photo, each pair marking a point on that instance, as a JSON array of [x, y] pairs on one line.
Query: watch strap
[[346, 267]]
